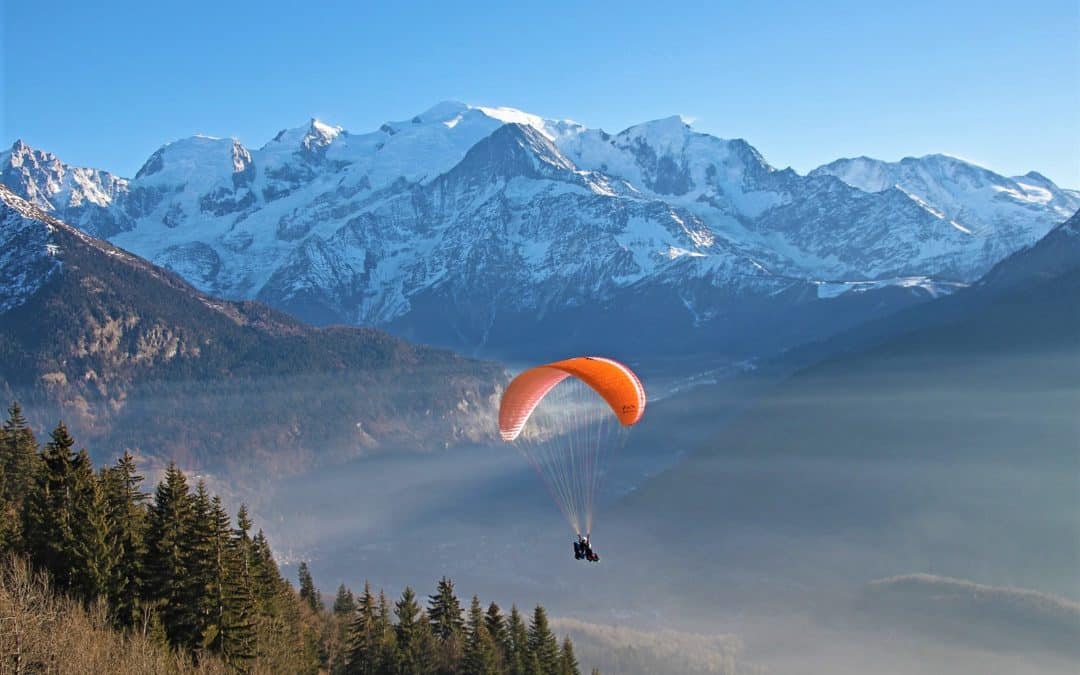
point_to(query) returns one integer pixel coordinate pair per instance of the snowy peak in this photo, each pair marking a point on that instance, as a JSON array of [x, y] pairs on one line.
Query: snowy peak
[[320, 134], [440, 113], [310, 140], [514, 151], [976, 198], [85, 197], [197, 160], [418, 225], [52, 185], [667, 135]]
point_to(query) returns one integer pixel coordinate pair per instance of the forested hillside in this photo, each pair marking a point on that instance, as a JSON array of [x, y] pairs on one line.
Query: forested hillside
[[102, 576], [133, 357]]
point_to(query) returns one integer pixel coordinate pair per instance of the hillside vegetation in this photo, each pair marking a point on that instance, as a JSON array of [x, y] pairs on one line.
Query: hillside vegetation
[[101, 577], [132, 357]]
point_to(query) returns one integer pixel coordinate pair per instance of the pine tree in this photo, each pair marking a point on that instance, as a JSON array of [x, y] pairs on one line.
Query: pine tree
[[308, 592], [238, 641], [568, 664], [532, 665], [227, 623], [283, 627], [46, 521], [482, 655], [204, 571], [344, 602], [126, 513], [387, 661], [338, 626], [447, 625], [18, 473], [364, 637], [268, 584], [518, 643], [243, 521], [65, 530], [169, 585], [93, 555], [542, 643], [496, 626], [415, 642]]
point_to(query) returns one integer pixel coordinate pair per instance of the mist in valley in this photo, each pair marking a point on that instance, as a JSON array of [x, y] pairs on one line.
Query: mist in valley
[[769, 526]]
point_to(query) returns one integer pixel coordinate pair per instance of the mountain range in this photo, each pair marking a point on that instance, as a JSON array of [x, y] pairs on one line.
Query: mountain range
[[498, 233], [130, 356]]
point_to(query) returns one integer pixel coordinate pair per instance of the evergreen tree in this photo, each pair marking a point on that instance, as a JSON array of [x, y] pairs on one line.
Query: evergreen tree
[[239, 621], [364, 638], [532, 665], [518, 643], [308, 592], [18, 473], [387, 661], [283, 627], [125, 510], [204, 571], [415, 642], [339, 625], [447, 625], [65, 530], [169, 584], [344, 602], [243, 521], [496, 626], [268, 584], [46, 517], [568, 664], [482, 655], [93, 556], [543, 644], [227, 623]]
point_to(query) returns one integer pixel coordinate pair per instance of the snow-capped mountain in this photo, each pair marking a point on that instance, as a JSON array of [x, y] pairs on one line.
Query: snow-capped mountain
[[85, 198], [486, 228], [1002, 214]]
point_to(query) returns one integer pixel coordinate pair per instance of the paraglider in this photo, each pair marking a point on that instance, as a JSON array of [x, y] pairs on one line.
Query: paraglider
[[583, 549], [567, 418]]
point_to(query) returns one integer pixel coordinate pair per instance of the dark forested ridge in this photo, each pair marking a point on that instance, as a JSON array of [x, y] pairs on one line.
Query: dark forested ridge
[[135, 358], [179, 585]]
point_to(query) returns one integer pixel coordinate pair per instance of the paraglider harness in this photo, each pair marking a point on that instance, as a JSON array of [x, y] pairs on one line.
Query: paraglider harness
[[583, 550]]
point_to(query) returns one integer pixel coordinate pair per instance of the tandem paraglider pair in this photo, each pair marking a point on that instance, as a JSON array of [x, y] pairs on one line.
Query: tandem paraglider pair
[[567, 418], [583, 549]]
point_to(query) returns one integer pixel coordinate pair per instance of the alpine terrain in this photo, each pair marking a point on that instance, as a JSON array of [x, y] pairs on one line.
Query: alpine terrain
[[132, 357], [496, 232]]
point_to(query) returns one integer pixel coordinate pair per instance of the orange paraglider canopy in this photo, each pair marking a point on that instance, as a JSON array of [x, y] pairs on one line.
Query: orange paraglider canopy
[[614, 382]]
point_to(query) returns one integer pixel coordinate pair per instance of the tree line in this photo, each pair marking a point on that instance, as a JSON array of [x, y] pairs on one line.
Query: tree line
[[176, 568]]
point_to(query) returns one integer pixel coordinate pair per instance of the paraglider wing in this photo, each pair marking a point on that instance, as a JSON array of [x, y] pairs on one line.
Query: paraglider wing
[[577, 412], [614, 382]]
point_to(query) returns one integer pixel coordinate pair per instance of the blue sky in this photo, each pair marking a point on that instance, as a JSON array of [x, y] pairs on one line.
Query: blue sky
[[105, 84]]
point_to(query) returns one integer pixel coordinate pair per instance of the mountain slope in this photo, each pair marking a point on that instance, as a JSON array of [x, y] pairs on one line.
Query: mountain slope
[[477, 227], [128, 352]]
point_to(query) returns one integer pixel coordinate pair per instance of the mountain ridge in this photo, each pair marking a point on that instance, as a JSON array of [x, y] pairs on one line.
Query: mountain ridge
[[368, 229], [132, 356]]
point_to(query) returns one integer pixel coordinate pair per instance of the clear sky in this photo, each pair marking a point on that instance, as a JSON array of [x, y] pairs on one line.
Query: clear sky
[[105, 84]]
